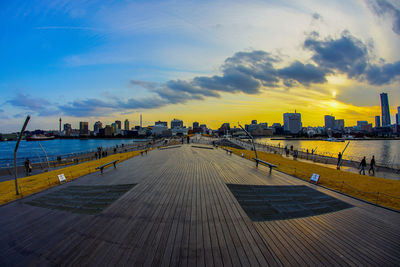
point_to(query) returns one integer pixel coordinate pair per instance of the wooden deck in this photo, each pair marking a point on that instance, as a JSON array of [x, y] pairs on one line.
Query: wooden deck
[[181, 212]]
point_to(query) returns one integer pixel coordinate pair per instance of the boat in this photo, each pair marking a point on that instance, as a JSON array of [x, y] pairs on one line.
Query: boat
[[39, 137], [333, 139]]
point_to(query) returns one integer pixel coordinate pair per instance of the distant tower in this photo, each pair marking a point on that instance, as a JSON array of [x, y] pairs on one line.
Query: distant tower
[[385, 110], [140, 120], [60, 125], [377, 121]]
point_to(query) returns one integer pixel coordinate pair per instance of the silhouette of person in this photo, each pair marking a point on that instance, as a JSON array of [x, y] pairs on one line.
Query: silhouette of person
[[372, 166], [363, 164]]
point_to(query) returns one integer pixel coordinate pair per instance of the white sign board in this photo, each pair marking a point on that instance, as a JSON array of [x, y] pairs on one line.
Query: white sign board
[[314, 178], [62, 178]]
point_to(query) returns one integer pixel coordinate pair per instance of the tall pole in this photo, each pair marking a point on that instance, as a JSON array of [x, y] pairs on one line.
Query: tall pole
[[252, 140], [48, 164], [341, 159], [15, 153]]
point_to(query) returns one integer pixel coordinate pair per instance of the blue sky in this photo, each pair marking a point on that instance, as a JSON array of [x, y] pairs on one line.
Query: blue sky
[[210, 61]]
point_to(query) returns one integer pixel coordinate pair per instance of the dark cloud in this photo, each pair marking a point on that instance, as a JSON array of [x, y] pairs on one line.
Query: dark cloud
[[385, 74], [302, 73], [384, 7], [28, 103], [346, 54]]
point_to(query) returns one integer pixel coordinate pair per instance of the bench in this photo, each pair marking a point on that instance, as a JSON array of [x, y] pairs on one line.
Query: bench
[[228, 151], [105, 165], [265, 163]]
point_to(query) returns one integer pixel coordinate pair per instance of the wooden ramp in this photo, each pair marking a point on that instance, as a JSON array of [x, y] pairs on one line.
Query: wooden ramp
[[181, 212]]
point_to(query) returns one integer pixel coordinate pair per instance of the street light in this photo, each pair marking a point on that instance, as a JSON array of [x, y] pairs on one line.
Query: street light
[[15, 153]]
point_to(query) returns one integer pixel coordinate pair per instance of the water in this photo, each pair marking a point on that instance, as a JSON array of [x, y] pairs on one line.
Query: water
[[387, 152], [54, 148]]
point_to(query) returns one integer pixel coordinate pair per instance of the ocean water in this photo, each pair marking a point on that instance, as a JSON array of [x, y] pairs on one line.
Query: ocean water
[[386, 152], [54, 148]]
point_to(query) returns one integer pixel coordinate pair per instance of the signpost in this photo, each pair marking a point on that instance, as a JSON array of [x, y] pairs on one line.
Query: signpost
[[314, 178], [62, 178]]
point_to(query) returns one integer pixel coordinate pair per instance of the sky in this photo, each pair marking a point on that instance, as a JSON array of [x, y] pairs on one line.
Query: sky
[[206, 61]]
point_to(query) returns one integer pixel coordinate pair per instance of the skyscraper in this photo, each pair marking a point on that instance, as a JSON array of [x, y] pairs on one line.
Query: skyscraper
[[118, 124], [329, 122], [385, 110], [398, 116], [126, 125], [83, 128], [377, 121], [292, 122]]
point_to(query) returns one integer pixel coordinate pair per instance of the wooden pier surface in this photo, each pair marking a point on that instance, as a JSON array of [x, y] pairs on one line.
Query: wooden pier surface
[[181, 209]]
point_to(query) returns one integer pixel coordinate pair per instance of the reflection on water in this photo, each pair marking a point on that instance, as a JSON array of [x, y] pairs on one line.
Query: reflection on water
[[387, 152]]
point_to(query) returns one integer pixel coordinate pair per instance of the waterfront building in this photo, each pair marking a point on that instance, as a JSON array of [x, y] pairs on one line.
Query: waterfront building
[[264, 125], [83, 128], [161, 130], [195, 125], [339, 125], [398, 116], [108, 130], [360, 124], [225, 127], [377, 121], [126, 125], [292, 123], [175, 123], [366, 127], [161, 123], [97, 126], [118, 124], [67, 129], [329, 122], [385, 110], [254, 122]]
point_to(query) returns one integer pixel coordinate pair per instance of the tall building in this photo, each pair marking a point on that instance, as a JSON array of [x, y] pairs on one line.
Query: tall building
[[385, 110], [83, 128], [108, 130], [175, 123], [195, 125], [126, 125], [118, 124], [97, 126], [254, 122], [60, 126], [329, 122], [339, 125], [377, 121], [398, 116], [161, 123], [292, 122], [67, 129]]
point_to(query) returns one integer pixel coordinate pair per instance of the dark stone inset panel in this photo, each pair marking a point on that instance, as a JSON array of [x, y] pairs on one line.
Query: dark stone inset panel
[[85, 199], [265, 203]]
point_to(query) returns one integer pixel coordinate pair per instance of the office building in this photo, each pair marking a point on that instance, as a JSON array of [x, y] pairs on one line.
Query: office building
[[97, 126], [67, 129], [377, 121], [126, 125], [329, 122], [292, 123], [254, 122], [108, 130], [360, 124], [118, 125], [339, 125], [398, 116], [83, 128], [161, 123], [385, 110], [175, 123], [195, 125]]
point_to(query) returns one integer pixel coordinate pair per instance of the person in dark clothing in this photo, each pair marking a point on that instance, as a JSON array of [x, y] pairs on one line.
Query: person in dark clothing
[[28, 167], [339, 160], [372, 166], [363, 164]]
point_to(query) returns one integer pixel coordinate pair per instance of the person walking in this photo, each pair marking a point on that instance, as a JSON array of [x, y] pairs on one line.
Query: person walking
[[339, 160], [362, 166], [28, 167], [372, 166]]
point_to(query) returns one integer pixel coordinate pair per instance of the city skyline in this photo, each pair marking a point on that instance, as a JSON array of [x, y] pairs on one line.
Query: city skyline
[[209, 61]]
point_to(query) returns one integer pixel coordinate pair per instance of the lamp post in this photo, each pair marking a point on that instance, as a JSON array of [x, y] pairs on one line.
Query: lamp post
[[15, 153], [252, 140]]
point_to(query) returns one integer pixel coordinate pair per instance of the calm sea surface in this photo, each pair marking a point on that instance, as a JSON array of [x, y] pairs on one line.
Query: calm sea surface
[[54, 148], [386, 152]]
